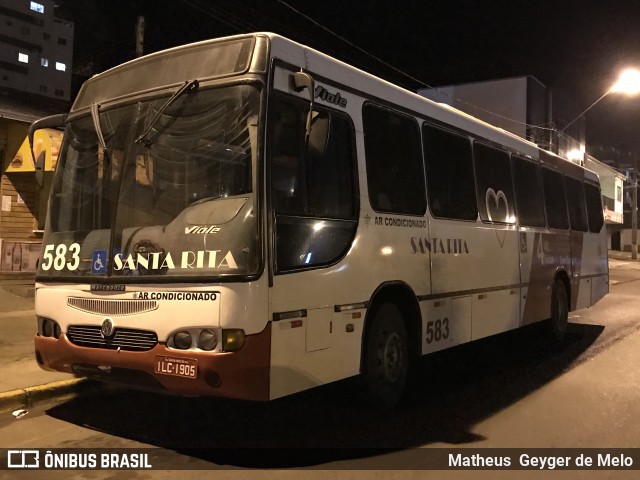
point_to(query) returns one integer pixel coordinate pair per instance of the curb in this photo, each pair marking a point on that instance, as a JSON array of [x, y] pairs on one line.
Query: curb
[[29, 396]]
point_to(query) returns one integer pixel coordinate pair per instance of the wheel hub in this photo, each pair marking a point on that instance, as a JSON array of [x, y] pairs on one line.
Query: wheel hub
[[391, 357]]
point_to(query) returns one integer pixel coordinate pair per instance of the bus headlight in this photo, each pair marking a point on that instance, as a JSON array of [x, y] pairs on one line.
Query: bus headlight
[[208, 340], [182, 340], [232, 339]]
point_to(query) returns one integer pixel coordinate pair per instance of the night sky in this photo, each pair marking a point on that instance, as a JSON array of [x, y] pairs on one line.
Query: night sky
[[576, 47]]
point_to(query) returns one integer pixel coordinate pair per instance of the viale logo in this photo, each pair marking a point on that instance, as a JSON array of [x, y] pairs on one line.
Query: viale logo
[[335, 98], [201, 230]]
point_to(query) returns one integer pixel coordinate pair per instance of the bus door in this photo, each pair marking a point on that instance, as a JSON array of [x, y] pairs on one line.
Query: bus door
[[551, 249], [313, 220], [588, 250], [473, 244], [496, 299], [535, 242]]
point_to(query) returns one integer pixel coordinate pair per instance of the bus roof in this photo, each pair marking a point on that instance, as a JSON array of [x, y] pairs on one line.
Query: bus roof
[[205, 60]]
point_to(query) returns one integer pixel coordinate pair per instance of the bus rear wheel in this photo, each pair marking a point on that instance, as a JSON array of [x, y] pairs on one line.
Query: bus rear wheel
[[386, 357], [559, 311]]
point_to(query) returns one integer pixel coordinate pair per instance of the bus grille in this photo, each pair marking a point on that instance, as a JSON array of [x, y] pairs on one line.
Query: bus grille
[[123, 339], [112, 307]]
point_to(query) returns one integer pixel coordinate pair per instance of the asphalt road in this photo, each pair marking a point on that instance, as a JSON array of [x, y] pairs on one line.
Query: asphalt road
[[512, 390]]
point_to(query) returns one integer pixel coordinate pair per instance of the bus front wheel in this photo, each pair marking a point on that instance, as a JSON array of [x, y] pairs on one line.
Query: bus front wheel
[[559, 311], [386, 357]]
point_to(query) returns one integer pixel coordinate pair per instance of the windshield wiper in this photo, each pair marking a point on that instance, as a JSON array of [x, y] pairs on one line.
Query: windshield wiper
[[188, 87], [95, 116]]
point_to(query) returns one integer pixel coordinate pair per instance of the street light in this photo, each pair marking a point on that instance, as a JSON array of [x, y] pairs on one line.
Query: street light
[[629, 84]]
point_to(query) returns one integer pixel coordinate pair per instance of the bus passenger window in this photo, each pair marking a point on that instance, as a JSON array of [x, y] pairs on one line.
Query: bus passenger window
[[493, 184], [395, 171], [594, 207], [555, 199], [528, 192], [450, 183], [577, 208]]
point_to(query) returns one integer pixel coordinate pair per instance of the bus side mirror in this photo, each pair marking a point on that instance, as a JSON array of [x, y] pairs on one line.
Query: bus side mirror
[[319, 135], [303, 80], [39, 166], [318, 124], [53, 121]]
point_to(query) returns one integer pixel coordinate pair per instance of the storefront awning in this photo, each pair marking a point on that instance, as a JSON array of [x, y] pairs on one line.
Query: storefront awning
[[46, 142]]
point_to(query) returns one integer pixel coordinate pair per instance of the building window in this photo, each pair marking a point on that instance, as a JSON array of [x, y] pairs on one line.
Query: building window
[[59, 93], [37, 7], [62, 41], [44, 62], [23, 57], [61, 67], [46, 36], [43, 89]]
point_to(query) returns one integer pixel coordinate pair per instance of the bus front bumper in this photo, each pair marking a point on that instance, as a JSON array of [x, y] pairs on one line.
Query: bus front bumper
[[243, 374]]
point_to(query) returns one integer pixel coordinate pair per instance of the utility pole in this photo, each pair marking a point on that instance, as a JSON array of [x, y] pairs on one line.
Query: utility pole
[[634, 210], [140, 36]]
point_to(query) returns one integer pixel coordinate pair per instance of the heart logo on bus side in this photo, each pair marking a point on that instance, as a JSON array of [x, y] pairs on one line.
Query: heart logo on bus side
[[497, 211]]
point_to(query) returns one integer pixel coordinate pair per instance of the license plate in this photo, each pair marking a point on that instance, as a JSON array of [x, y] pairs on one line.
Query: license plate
[[178, 367]]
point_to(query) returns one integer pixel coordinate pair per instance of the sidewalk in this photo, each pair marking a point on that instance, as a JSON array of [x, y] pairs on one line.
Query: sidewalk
[[23, 382], [623, 259]]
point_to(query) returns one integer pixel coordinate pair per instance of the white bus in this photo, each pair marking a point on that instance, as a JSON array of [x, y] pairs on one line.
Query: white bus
[[247, 217]]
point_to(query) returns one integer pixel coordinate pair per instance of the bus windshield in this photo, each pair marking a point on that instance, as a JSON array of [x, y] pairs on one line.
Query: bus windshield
[[169, 191]]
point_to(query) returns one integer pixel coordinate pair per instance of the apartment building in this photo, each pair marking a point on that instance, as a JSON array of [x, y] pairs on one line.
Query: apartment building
[[36, 49], [36, 53]]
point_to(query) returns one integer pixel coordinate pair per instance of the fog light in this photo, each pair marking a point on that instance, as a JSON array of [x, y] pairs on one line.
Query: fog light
[[208, 340], [47, 327], [182, 340], [232, 339]]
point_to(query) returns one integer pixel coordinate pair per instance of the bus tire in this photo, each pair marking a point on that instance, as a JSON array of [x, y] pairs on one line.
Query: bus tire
[[387, 357], [559, 311]]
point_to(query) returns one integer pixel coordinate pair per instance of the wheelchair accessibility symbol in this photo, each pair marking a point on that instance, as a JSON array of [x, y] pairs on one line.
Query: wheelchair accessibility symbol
[[99, 261]]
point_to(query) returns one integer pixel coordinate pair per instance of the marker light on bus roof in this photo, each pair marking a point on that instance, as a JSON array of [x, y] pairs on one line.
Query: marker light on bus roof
[[575, 155]]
